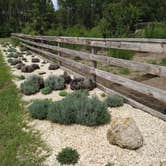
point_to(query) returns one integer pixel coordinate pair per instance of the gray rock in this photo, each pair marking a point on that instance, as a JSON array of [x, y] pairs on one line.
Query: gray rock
[[124, 133], [35, 60], [27, 69], [53, 67]]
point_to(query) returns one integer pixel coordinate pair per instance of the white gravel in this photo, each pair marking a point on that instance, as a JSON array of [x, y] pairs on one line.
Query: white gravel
[[91, 142]]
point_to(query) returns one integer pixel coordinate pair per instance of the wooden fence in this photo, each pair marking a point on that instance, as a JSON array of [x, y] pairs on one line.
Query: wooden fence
[[38, 44]]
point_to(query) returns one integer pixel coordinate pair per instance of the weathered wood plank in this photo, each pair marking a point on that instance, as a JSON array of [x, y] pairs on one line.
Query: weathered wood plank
[[145, 45], [134, 103], [135, 66], [142, 88]]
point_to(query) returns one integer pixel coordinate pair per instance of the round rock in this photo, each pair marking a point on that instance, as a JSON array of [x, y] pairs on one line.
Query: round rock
[[53, 67], [124, 133]]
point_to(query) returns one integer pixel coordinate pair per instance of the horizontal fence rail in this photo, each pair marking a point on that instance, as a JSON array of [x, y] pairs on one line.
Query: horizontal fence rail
[[35, 43], [142, 45], [135, 66]]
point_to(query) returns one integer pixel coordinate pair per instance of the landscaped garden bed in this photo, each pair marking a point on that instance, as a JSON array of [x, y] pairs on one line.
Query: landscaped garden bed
[[76, 124]]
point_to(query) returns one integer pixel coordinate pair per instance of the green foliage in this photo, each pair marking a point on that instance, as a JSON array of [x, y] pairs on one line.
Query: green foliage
[[11, 49], [22, 48], [68, 156], [55, 82], [117, 24], [114, 101], [124, 71], [39, 109], [103, 95], [24, 59], [29, 29], [16, 143], [154, 30], [63, 93], [80, 109], [21, 77], [163, 62], [121, 54], [154, 62], [10, 60], [32, 85], [106, 18], [46, 90], [109, 164]]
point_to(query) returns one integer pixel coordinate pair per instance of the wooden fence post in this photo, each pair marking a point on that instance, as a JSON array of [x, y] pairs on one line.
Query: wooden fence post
[[59, 54], [94, 63]]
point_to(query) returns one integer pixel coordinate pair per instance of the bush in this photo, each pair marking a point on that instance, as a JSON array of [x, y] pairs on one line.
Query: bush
[[103, 95], [11, 49], [22, 48], [154, 30], [80, 109], [24, 59], [10, 60], [39, 109], [32, 85], [114, 101], [46, 90], [63, 93], [14, 62], [55, 82], [68, 156]]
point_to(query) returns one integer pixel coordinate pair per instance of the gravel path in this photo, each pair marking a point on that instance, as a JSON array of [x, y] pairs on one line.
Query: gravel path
[[91, 142]]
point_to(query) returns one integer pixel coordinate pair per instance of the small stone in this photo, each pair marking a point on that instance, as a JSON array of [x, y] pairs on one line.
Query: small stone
[[44, 62], [53, 67], [27, 69], [124, 133], [35, 60], [42, 73]]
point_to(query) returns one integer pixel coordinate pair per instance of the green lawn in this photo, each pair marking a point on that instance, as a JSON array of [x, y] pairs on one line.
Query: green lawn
[[17, 147]]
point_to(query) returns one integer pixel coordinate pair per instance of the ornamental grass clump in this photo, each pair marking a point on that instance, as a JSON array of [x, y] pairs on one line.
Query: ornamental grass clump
[[79, 108], [55, 82], [68, 156], [114, 101], [32, 85], [39, 109]]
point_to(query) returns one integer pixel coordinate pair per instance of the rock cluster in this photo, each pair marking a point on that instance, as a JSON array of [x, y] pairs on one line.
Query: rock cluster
[[81, 83]]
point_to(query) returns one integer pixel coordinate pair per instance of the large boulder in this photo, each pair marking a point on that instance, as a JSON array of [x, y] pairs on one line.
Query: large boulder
[[124, 133]]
